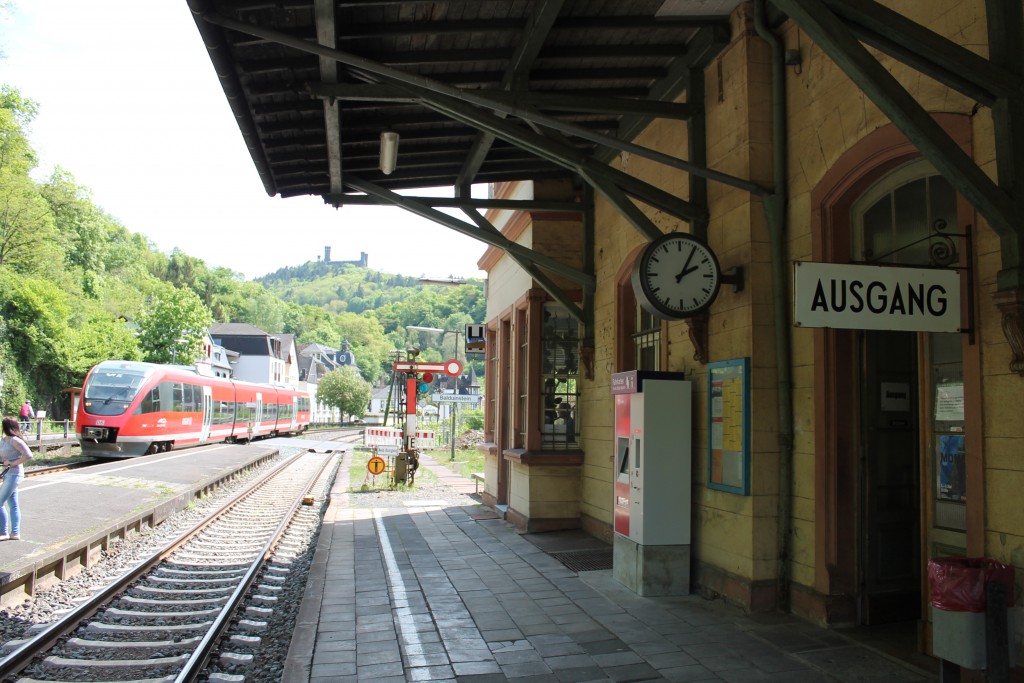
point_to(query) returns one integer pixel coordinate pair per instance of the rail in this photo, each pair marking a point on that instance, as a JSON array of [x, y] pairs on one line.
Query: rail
[[38, 429], [46, 639]]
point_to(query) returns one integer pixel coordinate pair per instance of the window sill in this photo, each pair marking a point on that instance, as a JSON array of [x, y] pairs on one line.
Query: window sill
[[542, 458]]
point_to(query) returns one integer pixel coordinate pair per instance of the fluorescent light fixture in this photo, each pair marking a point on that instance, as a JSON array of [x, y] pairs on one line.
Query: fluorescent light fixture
[[388, 151]]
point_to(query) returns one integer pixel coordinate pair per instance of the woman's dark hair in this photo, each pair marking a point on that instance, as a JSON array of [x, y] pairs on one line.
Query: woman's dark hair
[[12, 427]]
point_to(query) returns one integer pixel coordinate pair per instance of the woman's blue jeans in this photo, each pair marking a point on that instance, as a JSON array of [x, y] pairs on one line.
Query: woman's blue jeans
[[10, 523]]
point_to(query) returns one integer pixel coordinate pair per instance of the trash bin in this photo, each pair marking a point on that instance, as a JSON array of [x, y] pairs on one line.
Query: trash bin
[[957, 588]]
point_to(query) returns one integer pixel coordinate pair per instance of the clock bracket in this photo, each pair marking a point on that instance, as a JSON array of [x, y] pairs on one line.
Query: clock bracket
[[734, 278]]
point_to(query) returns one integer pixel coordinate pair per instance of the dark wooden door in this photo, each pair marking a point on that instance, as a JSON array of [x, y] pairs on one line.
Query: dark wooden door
[[890, 510]]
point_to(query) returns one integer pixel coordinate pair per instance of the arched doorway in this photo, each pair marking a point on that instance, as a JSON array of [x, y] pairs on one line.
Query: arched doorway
[[891, 408]]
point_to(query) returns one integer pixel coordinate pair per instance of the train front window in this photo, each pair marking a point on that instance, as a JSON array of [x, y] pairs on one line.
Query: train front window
[[111, 392]]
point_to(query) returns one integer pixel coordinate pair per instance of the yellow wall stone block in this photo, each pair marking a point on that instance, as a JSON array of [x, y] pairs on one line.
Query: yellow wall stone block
[[1004, 486]]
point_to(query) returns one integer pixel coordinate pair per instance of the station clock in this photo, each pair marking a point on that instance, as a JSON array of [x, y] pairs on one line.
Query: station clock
[[676, 276]]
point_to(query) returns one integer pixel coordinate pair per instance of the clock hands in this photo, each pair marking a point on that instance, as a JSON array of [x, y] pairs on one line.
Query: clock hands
[[686, 266]]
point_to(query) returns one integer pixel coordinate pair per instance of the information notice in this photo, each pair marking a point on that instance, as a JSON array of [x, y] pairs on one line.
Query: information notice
[[949, 402], [729, 400]]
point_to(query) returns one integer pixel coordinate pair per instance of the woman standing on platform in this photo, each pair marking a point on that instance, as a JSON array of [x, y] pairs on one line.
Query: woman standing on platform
[[14, 452]]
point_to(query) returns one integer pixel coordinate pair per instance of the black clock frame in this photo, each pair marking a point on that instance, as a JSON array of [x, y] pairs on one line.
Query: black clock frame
[[642, 291]]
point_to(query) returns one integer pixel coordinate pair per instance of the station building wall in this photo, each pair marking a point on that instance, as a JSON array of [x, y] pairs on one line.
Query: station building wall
[[833, 129], [735, 537]]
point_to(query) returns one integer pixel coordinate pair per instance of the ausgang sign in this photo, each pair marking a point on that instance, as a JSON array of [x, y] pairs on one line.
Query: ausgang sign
[[877, 297]]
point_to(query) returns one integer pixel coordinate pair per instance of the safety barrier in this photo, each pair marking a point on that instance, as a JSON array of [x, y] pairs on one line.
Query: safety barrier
[[392, 436], [382, 436], [425, 438]]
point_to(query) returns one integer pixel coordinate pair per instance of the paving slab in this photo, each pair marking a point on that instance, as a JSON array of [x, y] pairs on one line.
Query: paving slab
[[503, 608]]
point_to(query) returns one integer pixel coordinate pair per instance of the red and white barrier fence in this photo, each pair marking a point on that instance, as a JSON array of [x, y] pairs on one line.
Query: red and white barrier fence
[[382, 436], [392, 436]]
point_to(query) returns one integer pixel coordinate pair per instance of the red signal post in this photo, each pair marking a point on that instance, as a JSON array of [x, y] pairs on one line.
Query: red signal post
[[452, 368]]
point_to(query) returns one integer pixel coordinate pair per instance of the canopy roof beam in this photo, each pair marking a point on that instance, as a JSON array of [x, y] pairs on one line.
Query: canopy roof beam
[[881, 87], [544, 101], [326, 33], [489, 235], [545, 282], [928, 52], [373, 71], [462, 203], [516, 76]]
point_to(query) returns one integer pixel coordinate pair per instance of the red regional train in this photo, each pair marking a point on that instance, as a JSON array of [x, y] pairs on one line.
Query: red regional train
[[130, 408]]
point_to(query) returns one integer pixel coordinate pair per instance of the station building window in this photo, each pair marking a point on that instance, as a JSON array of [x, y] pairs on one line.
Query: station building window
[[534, 353], [647, 341], [522, 383], [639, 336], [560, 354]]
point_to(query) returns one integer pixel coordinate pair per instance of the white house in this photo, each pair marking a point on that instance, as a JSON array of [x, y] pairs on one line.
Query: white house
[[262, 357]]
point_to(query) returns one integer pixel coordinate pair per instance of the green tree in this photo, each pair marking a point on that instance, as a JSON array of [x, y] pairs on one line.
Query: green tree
[[369, 344], [96, 337], [172, 327], [26, 223], [346, 390], [261, 308], [35, 314]]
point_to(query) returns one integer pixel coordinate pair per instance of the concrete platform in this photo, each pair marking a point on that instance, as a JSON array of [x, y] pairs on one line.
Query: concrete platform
[[69, 518], [454, 594]]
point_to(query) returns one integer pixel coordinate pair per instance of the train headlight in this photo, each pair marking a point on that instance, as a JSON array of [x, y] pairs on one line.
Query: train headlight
[[97, 433]]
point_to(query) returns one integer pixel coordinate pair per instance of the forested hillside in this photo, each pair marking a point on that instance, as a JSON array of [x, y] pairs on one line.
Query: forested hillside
[[77, 287], [395, 300]]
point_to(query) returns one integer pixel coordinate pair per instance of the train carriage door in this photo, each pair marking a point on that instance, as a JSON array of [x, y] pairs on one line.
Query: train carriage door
[[207, 413], [295, 414], [259, 413]]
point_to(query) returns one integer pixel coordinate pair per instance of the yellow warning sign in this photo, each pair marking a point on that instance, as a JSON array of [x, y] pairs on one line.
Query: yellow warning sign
[[375, 465]]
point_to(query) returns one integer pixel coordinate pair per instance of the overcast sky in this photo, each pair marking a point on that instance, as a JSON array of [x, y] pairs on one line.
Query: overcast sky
[[129, 104]]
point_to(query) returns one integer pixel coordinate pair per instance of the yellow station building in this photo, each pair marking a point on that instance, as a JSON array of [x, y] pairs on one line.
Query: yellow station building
[[755, 269]]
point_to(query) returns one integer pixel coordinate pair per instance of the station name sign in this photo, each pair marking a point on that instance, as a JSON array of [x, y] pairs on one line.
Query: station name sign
[[863, 297], [471, 399]]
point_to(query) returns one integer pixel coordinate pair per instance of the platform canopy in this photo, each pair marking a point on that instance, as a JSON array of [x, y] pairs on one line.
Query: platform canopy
[[490, 91], [476, 90]]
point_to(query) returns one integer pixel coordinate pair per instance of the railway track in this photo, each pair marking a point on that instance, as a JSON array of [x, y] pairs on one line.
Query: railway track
[[336, 433], [181, 610]]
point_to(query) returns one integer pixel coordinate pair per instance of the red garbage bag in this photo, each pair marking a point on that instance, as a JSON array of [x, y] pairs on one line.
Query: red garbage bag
[[958, 583]]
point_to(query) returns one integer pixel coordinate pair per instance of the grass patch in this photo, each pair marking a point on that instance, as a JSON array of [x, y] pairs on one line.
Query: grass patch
[[54, 457], [360, 478], [467, 461]]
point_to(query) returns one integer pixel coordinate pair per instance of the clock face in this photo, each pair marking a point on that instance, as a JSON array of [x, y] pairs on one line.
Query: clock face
[[676, 276]]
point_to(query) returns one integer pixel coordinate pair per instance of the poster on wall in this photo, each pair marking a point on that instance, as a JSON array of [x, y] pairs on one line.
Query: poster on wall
[[729, 426], [949, 402], [951, 481]]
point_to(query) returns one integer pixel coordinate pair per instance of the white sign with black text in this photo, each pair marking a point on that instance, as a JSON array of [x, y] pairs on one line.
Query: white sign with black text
[[471, 399], [876, 297]]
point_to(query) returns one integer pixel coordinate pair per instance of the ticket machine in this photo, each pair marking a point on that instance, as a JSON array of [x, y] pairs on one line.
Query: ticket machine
[[653, 444]]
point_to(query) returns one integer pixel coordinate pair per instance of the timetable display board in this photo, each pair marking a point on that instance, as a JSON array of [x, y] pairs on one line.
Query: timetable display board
[[729, 426]]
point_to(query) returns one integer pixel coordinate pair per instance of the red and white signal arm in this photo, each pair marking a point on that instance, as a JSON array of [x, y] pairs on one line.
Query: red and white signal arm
[[452, 368]]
